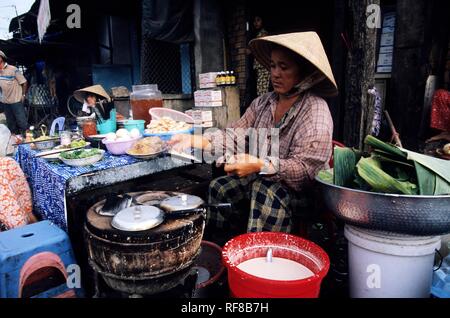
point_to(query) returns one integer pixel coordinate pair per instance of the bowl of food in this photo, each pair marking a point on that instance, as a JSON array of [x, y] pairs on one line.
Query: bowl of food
[[82, 157], [147, 148], [120, 142], [44, 143], [166, 127]]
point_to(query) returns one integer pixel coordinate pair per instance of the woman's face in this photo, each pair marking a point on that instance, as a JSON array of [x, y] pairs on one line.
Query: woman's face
[[284, 70], [257, 23], [91, 100]]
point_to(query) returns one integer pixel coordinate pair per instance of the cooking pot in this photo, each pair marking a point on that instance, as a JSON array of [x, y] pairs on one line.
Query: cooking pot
[[143, 218]]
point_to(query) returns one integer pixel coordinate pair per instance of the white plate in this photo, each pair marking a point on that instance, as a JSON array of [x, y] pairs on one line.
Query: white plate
[[85, 161]]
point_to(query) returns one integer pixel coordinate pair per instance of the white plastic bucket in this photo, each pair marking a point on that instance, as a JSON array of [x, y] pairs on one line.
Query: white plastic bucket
[[387, 265]]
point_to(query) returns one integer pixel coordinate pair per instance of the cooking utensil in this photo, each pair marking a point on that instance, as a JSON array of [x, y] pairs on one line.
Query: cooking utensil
[[36, 141], [412, 215], [58, 151], [114, 204], [182, 155], [136, 220]]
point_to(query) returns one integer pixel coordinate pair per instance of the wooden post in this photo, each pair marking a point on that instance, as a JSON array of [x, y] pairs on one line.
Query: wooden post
[[229, 112], [360, 74]]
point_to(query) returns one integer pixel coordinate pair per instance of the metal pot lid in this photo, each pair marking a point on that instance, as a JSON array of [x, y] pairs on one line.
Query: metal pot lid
[[138, 218], [181, 202]]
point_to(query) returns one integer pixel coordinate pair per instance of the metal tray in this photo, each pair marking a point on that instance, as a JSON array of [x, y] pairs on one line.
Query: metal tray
[[411, 215]]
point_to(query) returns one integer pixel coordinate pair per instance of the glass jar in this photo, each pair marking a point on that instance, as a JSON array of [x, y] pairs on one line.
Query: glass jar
[[142, 99], [89, 128], [66, 138]]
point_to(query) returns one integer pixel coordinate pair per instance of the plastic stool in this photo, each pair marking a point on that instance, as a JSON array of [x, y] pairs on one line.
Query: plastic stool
[[60, 122], [33, 262]]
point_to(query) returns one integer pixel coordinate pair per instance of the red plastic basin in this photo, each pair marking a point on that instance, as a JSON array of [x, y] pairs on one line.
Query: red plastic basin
[[254, 245]]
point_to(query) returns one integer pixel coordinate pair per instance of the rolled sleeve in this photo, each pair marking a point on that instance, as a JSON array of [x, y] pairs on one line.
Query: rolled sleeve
[[20, 78]]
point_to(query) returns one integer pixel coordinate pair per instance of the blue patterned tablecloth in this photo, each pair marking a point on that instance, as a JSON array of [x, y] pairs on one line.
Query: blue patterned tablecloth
[[48, 181]]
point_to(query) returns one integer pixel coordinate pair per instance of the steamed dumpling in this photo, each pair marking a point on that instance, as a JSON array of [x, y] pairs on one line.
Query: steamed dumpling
[[135, 133], [122, 133], [111, 137]]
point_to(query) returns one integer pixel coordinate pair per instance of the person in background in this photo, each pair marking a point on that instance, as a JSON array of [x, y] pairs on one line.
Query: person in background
[[91, 97], [15, 194], [297, 110], [440, 111], [440, 115], [13, 87]]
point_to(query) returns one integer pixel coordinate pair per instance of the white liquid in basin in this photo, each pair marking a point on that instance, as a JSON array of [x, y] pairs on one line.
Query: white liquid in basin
[[279, 269]]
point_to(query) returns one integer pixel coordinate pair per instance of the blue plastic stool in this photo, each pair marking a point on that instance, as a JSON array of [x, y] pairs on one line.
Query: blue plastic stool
[[33, 263], [60, 122]]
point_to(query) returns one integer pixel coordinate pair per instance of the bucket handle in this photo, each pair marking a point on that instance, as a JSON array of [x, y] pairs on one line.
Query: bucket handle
[[440, 262]]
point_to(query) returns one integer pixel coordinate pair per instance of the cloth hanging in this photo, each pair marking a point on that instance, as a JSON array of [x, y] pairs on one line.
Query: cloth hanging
[[168, 20], [440, 112]]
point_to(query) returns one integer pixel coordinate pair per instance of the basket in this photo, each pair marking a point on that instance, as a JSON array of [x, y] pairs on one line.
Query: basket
[[168, 135], [158, 113]]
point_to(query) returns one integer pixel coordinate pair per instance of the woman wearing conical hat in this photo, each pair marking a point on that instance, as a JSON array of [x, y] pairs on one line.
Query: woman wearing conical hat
[[296, 110], [94, 98]]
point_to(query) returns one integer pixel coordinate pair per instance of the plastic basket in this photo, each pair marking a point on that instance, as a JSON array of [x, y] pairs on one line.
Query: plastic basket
[[168, 135], [158, 113]]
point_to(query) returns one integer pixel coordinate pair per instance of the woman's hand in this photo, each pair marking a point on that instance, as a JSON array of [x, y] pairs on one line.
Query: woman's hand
[[243, 165], [181, 142]]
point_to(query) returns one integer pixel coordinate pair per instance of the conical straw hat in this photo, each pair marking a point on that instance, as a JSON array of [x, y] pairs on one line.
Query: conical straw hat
[[80, 95], [306, 44]]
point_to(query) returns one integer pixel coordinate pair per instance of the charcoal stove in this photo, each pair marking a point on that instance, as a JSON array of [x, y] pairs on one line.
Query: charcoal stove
[[145, 263]]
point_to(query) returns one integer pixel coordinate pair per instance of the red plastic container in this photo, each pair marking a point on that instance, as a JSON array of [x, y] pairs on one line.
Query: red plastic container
[[254, 245]]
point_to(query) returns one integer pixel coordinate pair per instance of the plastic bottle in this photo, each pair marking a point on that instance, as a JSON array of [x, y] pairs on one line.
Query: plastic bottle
[[29, 134], [218, 78], [227, 78], [233, 78], [142, 99]]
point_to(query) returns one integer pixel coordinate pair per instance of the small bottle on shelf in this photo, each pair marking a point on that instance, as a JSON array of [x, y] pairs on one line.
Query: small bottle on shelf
[[233, 78], [218, 78], [222, 79], [227, 78]]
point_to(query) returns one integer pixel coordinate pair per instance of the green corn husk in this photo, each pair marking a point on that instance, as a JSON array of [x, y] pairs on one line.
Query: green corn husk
[[388, 148], [387, 159], [442, 187], [426, 180], [370, 170], [326, 176], [345, 161]]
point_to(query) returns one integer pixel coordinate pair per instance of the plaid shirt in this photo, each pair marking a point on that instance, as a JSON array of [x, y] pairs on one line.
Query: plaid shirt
[[305, 137]]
